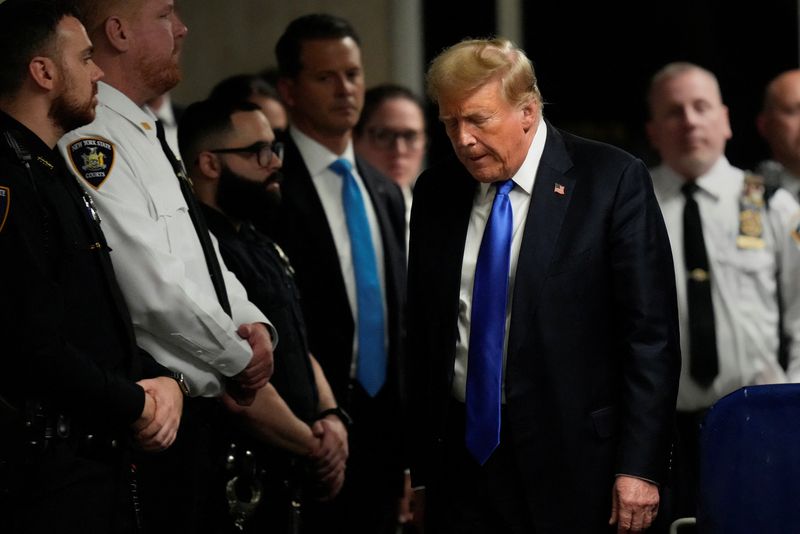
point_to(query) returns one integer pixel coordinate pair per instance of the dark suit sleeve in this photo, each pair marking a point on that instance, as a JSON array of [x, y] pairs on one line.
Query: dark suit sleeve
[[150, 367], [647, 322]]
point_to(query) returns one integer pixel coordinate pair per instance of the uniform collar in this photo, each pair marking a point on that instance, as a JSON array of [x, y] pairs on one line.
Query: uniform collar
[[217, 222], [165, 113], [714, 183], [141, 117]]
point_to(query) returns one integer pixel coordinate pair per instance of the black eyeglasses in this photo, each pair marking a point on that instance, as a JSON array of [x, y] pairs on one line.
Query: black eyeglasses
[[386, 138], [263, 151]]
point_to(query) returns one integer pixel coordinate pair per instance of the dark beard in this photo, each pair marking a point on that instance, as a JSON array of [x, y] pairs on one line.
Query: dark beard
[[69, 114], [246, 200]]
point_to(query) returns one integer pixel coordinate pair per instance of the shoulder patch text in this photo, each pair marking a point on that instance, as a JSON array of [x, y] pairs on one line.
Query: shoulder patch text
[[93, 159]]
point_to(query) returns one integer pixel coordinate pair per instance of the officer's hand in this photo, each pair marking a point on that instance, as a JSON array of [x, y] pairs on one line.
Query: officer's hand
[[331, 485], [259, 370], [162, 430], [238, 394], [148, 413], [330, 457]]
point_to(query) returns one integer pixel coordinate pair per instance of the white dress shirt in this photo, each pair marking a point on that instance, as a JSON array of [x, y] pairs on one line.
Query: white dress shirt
[[156, 253], [520, 197], [329, 188], [743, 282]]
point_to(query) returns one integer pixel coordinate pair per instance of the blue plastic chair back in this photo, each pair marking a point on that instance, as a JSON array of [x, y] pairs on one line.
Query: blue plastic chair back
[[750, 462]]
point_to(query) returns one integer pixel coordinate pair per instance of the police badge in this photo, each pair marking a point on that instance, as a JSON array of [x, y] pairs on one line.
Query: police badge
[[795, 228], [93, 159], [5, 205], [751, 205]]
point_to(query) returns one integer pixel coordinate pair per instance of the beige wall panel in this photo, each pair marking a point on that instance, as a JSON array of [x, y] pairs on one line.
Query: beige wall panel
[[233, 36]]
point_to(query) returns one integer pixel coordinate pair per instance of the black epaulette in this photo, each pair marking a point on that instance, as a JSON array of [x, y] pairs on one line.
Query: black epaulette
[[23, 155], [25, 159]]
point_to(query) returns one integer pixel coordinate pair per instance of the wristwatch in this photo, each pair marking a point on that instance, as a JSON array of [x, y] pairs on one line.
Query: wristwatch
[[178, 377], [338, 412]]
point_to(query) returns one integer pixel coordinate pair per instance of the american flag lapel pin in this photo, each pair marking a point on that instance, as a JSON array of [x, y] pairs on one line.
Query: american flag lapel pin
[[559, 189]]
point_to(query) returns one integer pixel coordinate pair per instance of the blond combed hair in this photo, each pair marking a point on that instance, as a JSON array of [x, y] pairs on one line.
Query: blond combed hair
[[472, 63]]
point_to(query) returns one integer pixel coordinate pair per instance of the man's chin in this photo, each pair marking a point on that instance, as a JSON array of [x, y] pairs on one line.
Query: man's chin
[[482, 173]]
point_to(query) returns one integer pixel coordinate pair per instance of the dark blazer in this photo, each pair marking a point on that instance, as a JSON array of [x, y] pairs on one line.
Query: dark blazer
[[593, 353], [376, 462], [301, 228]]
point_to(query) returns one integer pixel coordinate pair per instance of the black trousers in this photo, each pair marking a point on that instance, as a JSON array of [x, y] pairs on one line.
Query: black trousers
[[67, 489], [374, 476], [183, 488], [475, 499]]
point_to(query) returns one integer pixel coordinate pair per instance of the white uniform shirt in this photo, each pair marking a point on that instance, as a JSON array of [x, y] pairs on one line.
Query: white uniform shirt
[[520, 197], [329, 188], [743, 282], [156, 253]]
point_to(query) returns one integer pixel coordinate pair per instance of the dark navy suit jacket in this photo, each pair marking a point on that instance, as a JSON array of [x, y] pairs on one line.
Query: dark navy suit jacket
[[593, 353]]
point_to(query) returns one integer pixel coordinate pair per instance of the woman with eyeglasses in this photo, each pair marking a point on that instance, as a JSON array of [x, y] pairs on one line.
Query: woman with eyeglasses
[[390, 135]]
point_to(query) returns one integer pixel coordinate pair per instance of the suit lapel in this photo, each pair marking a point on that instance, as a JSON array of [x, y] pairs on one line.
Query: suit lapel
[[552, 192], [376, 188], [306, 200]]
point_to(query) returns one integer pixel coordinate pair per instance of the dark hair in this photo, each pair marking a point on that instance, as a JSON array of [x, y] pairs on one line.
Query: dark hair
[[203, 122], [270, 75], [27, 29], [241, 87], [312, 27], [377, 95]]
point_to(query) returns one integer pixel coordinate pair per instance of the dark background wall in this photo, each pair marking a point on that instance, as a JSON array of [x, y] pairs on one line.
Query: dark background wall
[[594, 59]]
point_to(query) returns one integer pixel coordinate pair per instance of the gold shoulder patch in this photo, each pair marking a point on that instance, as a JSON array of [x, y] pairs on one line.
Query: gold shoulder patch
[[795, 228], [93, 159], [5, 205]]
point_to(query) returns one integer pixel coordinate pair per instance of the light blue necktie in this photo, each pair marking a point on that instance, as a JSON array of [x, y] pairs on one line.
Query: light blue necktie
[[371, 371], [488, 328]]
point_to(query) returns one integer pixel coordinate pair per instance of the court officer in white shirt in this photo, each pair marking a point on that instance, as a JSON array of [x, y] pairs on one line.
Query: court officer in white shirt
[[735, 247], [188, 311]]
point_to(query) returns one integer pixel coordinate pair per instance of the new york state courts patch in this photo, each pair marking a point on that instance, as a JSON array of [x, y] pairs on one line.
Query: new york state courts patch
[[93, 159]]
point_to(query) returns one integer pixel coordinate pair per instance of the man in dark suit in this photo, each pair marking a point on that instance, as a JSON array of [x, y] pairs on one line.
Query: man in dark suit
[[543, 353], [342, 224]]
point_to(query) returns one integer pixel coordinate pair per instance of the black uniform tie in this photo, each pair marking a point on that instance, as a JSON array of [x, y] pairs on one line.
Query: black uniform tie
[[214, 270], [703, 363]]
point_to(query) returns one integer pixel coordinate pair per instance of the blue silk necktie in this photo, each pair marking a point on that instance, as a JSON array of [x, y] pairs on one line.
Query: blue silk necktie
[[371, 372], [488, 328]]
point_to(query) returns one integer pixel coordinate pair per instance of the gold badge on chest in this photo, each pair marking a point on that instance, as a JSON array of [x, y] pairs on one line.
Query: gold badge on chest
[[751, 211]]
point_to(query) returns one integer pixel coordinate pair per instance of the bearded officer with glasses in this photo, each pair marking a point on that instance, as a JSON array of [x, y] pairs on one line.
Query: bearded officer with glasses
[[301, 433]]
